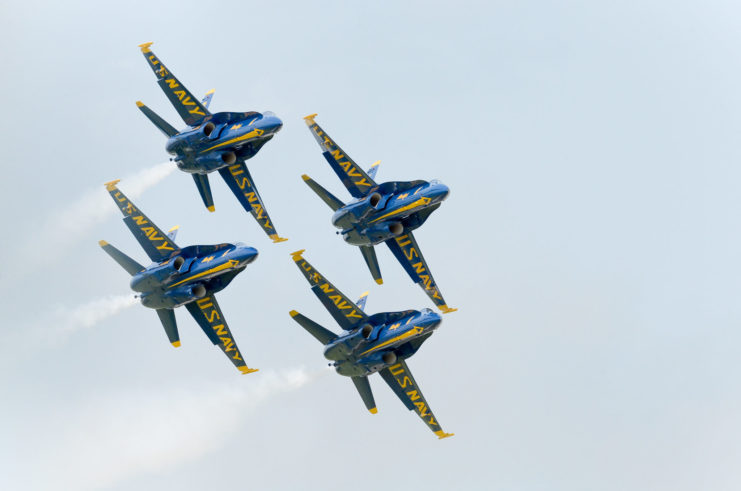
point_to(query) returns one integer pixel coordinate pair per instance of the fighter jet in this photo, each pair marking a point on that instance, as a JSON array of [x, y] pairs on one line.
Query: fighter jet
[[369, 344], [187, 276], [387, 212], [214, 142]]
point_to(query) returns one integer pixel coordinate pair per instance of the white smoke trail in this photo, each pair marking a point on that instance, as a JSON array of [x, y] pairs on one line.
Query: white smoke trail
[[89, 314], [121, 435], [71, 224]]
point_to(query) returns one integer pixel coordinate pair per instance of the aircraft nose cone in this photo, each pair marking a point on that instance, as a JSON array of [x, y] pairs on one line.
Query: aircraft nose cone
[[272, 125], [248, 255], [441, 192]]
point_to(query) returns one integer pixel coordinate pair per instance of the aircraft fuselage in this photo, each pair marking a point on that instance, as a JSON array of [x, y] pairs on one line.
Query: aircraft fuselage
[[196, 271], [379, 344], [221, 140], [388, 211]]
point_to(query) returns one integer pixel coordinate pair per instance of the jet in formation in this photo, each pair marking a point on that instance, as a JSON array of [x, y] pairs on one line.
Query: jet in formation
[[187, 276], [369, 344], [214, 142], [387, 212]]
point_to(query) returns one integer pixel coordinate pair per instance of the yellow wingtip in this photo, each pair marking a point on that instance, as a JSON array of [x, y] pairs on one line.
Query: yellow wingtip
[[211, 208], [173, 228], [139, 104], [310, 118], [276, 238], [245, 369], [305, 177], [293, 313], [111, 185], [297, 255], [379, 281], [145, 46], [376, 163], [373, 410], [176, 344], [210, 91], [441, 434], [102, 243], [446, 310], [365, 294]]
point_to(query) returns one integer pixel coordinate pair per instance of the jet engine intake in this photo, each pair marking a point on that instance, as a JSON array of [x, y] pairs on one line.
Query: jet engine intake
[[389, 358], [216, 160]]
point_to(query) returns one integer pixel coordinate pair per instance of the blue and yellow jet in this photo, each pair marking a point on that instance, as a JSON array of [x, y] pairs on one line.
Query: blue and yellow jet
[[369, 344], [214, 142], [189, 276], [387, 212]]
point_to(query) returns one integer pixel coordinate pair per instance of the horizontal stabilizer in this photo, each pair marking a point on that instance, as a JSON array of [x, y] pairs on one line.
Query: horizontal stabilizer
[[204, 189], [322, 334], [364, 389], [369, 254], [160, 123], [132, 267], [167, 316], [326, 196]]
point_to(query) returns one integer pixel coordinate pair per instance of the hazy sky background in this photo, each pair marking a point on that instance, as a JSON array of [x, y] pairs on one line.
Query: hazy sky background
[[590, 242]]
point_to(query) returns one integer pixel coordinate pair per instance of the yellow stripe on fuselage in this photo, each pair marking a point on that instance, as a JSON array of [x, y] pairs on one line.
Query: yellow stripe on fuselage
[[420, 202], [411, 332], [227, 265], [254, 133]]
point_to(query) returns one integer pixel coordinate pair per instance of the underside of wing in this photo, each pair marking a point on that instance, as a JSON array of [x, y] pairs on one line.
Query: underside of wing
[[401, 381], [407, 251], [345, 312], [158, 246], [208, 315], [239, 180], [187, 106], [357, 182]]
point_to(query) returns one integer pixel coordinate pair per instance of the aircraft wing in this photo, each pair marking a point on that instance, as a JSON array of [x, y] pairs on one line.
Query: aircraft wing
[[345, 312], [240, 181], [352, 176], [187, 106], [208, 315], [158, 246], [407, 251], [401, 381]]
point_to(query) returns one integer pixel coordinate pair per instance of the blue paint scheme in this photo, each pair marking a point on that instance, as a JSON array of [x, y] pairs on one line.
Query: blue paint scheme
[[379, 343], [187, 276], [214, 142], [387, 212]]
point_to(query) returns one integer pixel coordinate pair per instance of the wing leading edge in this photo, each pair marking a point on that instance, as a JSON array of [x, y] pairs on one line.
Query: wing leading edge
[[187, 106], [401, 381], [239, 180], [207, 314], [407, 251], [345, 312], [357, 182], [158, 246]]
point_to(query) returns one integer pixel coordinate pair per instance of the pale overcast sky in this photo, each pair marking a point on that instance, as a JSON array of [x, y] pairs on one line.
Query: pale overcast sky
[[590, 243]]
